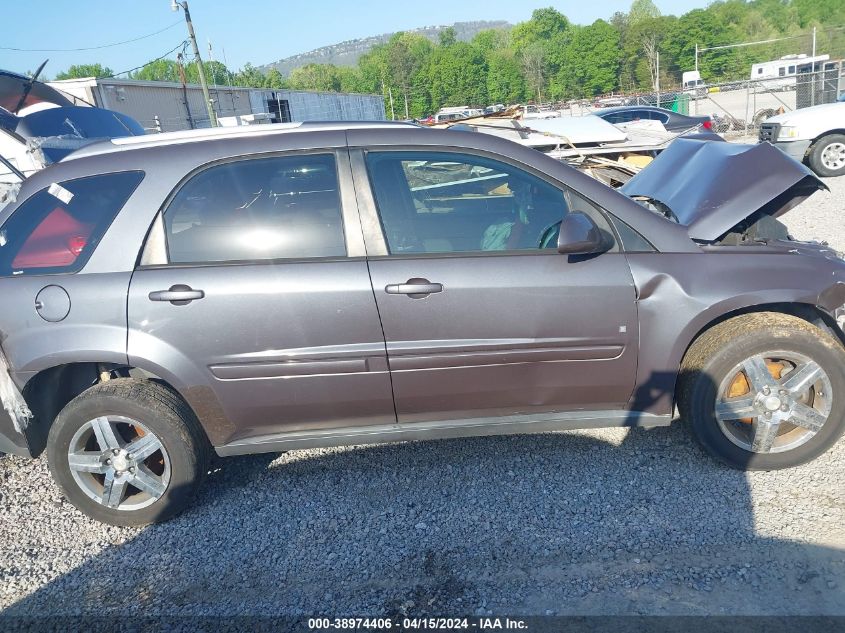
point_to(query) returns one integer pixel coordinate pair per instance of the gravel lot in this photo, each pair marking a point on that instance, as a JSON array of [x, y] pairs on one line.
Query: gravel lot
[[609, 522]]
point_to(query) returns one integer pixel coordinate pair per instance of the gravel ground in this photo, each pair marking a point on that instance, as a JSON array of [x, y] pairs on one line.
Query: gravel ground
[[822, 216], [598, 522]]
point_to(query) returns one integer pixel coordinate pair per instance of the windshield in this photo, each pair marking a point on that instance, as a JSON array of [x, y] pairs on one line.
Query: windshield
[[82, 122]]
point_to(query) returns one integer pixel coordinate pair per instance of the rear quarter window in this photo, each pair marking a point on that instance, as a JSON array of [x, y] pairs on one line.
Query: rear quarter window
[[57, 229]]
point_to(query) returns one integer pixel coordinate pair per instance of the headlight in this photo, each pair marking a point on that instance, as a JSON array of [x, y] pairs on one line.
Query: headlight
[[788, 131]]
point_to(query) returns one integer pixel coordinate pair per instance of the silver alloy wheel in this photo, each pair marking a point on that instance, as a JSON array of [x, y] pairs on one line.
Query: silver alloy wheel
[[833, 156], [786, 401], [119, 463]]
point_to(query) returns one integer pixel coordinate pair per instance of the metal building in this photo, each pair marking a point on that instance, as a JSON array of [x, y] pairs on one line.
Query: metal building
[[166, 107]]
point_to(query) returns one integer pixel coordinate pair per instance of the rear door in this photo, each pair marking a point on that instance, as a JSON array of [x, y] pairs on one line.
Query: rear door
[[481, 317], [263, 302]]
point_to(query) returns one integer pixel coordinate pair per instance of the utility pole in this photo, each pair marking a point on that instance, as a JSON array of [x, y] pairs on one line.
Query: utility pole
[[657, 79], [696, 57], [174, 5], [813, 72]]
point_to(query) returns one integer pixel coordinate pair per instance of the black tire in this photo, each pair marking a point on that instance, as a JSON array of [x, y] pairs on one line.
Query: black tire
[[163, 413], [816, 155], [714, 355]]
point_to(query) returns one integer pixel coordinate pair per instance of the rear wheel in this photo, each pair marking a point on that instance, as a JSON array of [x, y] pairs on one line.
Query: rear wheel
[[128, 452], [827, 155], [764, 391]]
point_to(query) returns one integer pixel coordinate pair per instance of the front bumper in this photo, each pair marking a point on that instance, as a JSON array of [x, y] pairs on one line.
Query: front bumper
[[794, 149], [11, 441]]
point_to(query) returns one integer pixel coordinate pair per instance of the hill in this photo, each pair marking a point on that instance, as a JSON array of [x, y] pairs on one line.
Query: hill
[[347, 53]]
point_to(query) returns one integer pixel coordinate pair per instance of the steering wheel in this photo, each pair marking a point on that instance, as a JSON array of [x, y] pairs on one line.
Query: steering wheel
[[548, 236]]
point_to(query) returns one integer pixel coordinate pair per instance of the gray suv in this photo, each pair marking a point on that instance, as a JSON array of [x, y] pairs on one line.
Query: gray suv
[[311, 285]]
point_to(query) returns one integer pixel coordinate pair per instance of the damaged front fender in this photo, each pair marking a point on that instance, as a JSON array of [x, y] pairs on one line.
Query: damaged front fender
[[15, 414], [12, 441]]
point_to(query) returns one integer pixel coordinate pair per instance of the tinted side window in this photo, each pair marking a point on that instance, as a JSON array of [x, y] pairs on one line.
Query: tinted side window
[[258, 209], [57, 229], [446, 203]]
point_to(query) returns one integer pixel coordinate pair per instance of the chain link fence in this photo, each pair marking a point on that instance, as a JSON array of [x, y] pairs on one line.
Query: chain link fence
[[739, 108]]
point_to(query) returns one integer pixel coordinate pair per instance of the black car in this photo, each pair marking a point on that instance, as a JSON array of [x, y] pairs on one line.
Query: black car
[[672, 121]]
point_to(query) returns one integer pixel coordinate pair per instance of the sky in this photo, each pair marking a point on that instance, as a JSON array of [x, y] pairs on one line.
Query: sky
[[256, 31]]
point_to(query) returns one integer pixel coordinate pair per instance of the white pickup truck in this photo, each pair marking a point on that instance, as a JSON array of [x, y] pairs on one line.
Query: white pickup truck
[[814, 135]]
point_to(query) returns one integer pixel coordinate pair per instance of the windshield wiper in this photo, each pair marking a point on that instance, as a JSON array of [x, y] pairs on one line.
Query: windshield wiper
[[28, 86], [17, 172]]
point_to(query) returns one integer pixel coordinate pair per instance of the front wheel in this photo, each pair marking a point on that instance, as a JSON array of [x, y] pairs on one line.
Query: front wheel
[[128, 452], [827, 155], [764, 391]]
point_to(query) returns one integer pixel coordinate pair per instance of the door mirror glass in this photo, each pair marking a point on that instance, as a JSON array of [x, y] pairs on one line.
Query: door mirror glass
[[579, 235]]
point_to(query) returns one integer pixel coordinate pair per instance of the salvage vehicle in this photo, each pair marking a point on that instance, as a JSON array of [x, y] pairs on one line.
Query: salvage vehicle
[[302, 285], [671, 121], [39, 125], [814, 135]]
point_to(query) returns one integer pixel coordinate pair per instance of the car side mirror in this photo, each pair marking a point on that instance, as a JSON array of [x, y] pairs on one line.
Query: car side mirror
[[579, 235]]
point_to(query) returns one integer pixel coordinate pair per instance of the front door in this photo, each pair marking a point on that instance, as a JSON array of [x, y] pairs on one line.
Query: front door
[[481, 317], [259, 307]]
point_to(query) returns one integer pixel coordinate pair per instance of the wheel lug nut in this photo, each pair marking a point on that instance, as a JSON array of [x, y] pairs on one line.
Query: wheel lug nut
[[108, 462], [783, 407], [768, 414], [115, 452], [766, 390]]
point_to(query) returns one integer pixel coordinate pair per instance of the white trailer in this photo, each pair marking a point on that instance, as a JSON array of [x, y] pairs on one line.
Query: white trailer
[[780, 74]]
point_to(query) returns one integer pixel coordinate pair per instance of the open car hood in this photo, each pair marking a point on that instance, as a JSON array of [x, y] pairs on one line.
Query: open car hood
[[13, 86], [711, 186]]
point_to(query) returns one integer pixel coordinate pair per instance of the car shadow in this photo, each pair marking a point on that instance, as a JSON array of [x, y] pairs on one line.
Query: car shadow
[[610, 522]]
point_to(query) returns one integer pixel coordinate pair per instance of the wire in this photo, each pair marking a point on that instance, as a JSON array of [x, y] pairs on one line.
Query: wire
[[181, 45], [87, 48]]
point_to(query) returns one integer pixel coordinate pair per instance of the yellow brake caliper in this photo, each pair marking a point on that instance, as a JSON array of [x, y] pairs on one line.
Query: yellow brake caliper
[[740, 386]]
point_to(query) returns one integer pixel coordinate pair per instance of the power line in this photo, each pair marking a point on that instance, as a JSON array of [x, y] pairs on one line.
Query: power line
[[181, 45], [87, 48]]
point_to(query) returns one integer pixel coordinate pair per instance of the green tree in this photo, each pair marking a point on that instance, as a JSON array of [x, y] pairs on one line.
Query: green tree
[[490, 40], [80, 71], [457, 75], [542, 27], [159, 70], [505, 81], [274, 80], [642, 10], [320, 77], [540, 43], [215, 73], [447, 37], [645, 29], [405, 56], [533, 58], [250, 77], [592, 61]]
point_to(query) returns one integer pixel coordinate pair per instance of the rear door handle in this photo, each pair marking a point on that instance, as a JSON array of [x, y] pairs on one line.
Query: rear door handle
[[415, 288], [178, 295]]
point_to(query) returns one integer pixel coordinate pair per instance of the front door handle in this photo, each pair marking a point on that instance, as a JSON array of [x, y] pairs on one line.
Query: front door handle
[[178, 295], [415, 288]]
